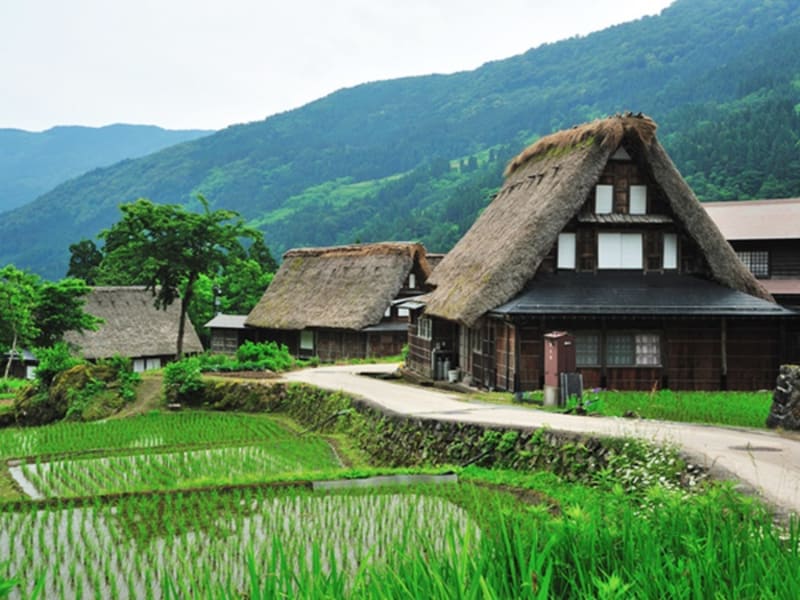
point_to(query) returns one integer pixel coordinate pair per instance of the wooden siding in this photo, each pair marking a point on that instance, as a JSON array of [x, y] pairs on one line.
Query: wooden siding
[[784, 255], [339, 344], [227, 341], [290, 339], [385, 344], [505, 355], [691, 353], [443, 342], [419, 349], [621, 175]]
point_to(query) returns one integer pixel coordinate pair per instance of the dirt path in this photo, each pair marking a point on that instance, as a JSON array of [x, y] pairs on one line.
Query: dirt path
[[764, 461], [148, 397]]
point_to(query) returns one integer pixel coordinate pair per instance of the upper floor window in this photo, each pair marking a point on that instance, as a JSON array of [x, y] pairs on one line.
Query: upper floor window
[[619, 251], [638, 200], [670, 260], [755, 260], [566, 251], [412, 280], [604, 199]]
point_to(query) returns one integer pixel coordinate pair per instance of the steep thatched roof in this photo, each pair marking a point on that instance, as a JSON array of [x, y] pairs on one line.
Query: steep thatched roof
[[545, 187], [132, 326], [342, 287]]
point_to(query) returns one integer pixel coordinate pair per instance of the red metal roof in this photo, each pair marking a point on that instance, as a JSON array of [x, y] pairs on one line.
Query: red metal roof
[[756, 219]]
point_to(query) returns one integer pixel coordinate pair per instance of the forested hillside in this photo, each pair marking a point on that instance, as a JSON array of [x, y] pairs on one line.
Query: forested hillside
[[417, 158], [31, 163]]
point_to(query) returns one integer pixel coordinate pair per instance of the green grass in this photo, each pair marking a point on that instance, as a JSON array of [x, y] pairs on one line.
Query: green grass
[[9, 387], [738, 409], [498, 534]]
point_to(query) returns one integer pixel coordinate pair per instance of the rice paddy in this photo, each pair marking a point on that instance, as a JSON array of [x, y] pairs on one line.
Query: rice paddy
[[179, 506], [204, 543]]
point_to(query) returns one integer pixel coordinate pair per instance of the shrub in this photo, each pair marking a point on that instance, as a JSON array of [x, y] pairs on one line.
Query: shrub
[[72, 389], [182, 379], [52, 361], [126, 378], [266, 355]]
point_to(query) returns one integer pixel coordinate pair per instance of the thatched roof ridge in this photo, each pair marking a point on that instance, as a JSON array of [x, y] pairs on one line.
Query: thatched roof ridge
[[341, 287], [607, 133], [546, 186], [132, 326]]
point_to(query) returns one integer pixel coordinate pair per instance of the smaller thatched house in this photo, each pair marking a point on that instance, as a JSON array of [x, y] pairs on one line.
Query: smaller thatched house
[[595, 233], [337, 302], [766, 237], [228, 332], [133, 327]]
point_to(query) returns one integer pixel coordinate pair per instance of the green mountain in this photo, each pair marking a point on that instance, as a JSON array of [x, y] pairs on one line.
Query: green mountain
[[418, 158], [33, 163]]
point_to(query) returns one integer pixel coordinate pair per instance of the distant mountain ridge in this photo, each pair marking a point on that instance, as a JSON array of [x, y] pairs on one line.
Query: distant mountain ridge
[[32, 163], [418, 158]]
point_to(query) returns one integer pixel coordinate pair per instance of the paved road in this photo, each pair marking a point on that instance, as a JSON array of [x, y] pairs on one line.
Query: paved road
[[762, 460]]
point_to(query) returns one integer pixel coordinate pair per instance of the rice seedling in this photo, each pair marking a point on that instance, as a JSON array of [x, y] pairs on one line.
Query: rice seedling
[[152, 431], [462, 541]]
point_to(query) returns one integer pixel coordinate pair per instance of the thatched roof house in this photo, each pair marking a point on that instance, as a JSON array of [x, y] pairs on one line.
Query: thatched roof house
[[545, 187], [133, 327], [340, 289], [593, 227]]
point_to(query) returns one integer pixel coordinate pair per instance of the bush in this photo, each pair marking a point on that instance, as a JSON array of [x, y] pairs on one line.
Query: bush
[[82, 392], [266, 355], [52, 361], [182, 379], [126, 378]]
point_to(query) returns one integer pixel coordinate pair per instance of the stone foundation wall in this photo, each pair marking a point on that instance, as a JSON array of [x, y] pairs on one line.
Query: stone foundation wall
[[399, 441]]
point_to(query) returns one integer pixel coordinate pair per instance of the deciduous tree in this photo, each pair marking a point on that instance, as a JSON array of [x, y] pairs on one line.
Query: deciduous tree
[[17, 300], [168, 248]]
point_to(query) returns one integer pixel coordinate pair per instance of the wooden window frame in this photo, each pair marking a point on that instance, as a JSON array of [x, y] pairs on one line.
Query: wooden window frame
[[622, 236], [425, 328], [634, 337], [567, 251], [597, 335]]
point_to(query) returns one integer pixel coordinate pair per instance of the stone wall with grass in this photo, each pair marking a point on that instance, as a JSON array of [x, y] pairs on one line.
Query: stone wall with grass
[[398, 440]]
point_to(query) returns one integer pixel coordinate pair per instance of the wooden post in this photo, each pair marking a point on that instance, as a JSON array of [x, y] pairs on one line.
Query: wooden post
[[517, 359], [724, 358], [602, 349]]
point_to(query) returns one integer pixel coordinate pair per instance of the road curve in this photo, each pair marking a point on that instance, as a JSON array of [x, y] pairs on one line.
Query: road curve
[[764, 461]]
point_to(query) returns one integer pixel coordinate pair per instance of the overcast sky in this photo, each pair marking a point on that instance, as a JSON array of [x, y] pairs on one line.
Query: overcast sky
[[212, 63]]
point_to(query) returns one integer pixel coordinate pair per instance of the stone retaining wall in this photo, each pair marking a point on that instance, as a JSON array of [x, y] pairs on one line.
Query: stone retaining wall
[[400, 441]]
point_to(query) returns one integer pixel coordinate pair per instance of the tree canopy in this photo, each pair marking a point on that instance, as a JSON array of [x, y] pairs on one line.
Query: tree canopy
[[168, 249], [38, 313]]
